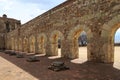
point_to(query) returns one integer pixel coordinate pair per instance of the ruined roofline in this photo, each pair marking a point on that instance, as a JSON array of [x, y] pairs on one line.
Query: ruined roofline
[[49, 11], [10, 19]]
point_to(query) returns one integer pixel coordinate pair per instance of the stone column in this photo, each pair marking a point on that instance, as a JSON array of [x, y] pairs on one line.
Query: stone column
[[93, 50], [54, 48], [65, 50], [36, 45], [100, 49], [69, 49], [28, 45], [108, 47], [48, 48], [22, 45]]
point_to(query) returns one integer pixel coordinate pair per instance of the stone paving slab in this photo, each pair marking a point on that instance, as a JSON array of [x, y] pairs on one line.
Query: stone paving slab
[[9, 71]]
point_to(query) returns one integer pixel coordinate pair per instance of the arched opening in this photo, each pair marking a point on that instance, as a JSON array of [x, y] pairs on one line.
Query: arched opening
[[79, 45], [117, 45], [117, 48], [32, 44], [42, 44], [25, 44], [59, 47], [56, 39], [113, 50], [109, 32]]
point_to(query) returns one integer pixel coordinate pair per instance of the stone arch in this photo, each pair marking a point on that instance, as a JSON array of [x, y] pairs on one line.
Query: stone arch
[[32, 43], [73, 39], [108, 33], [54, 37], [41, 40], [25, 44]]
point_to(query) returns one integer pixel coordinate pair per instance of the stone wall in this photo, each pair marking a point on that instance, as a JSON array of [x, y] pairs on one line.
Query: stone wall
[[7, 25], [98, 18]]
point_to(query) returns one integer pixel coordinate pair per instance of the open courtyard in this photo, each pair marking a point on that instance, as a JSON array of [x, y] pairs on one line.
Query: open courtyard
[[65, 27], [12, 68]]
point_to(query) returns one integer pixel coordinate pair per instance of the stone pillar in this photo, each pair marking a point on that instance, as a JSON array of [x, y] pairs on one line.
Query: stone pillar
[[22, 45], [69, 49], [42, 48], [100, 49], [36, 45], [48, 48], [93, 50], [54, 48], [28, 44], [65, 50], [89, 48], [108, 47]]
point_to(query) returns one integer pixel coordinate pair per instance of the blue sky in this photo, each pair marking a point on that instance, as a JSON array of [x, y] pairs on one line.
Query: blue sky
[[26, 10], [117, 36]]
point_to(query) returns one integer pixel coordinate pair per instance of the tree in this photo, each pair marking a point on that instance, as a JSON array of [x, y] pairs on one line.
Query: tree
[[82, 40]]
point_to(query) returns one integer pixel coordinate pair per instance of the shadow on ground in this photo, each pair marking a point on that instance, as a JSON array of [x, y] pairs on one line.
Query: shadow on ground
[[85, 71]]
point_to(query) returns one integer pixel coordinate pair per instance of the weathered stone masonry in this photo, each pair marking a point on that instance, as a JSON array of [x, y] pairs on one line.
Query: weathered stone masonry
[[98, 18]]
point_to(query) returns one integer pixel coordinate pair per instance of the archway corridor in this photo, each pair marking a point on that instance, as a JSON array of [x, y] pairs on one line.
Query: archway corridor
[[80, 42], [41, 44], [56, 39]]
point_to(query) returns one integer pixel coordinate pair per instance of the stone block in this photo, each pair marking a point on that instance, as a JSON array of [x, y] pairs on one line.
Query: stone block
[[58, 66], [20, 55], [32, 59]]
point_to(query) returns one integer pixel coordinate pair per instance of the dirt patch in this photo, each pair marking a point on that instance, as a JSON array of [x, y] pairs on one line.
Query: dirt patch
[[83, 71]]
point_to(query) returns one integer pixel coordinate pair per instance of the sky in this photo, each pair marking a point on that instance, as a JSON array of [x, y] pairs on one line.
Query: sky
[[117, 36], [26, 10]]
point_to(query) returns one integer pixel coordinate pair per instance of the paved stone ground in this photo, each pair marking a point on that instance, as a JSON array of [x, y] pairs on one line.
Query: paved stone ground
[[12, 68], [9, 71]]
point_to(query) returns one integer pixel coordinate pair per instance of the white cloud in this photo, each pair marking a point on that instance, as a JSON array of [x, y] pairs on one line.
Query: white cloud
[[3, 0], [118, 31], [20, 11], [25, 10]]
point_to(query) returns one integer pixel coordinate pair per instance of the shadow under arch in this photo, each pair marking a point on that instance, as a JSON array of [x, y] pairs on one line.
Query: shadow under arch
[[41, 40], [56, 39], [73, 38]]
